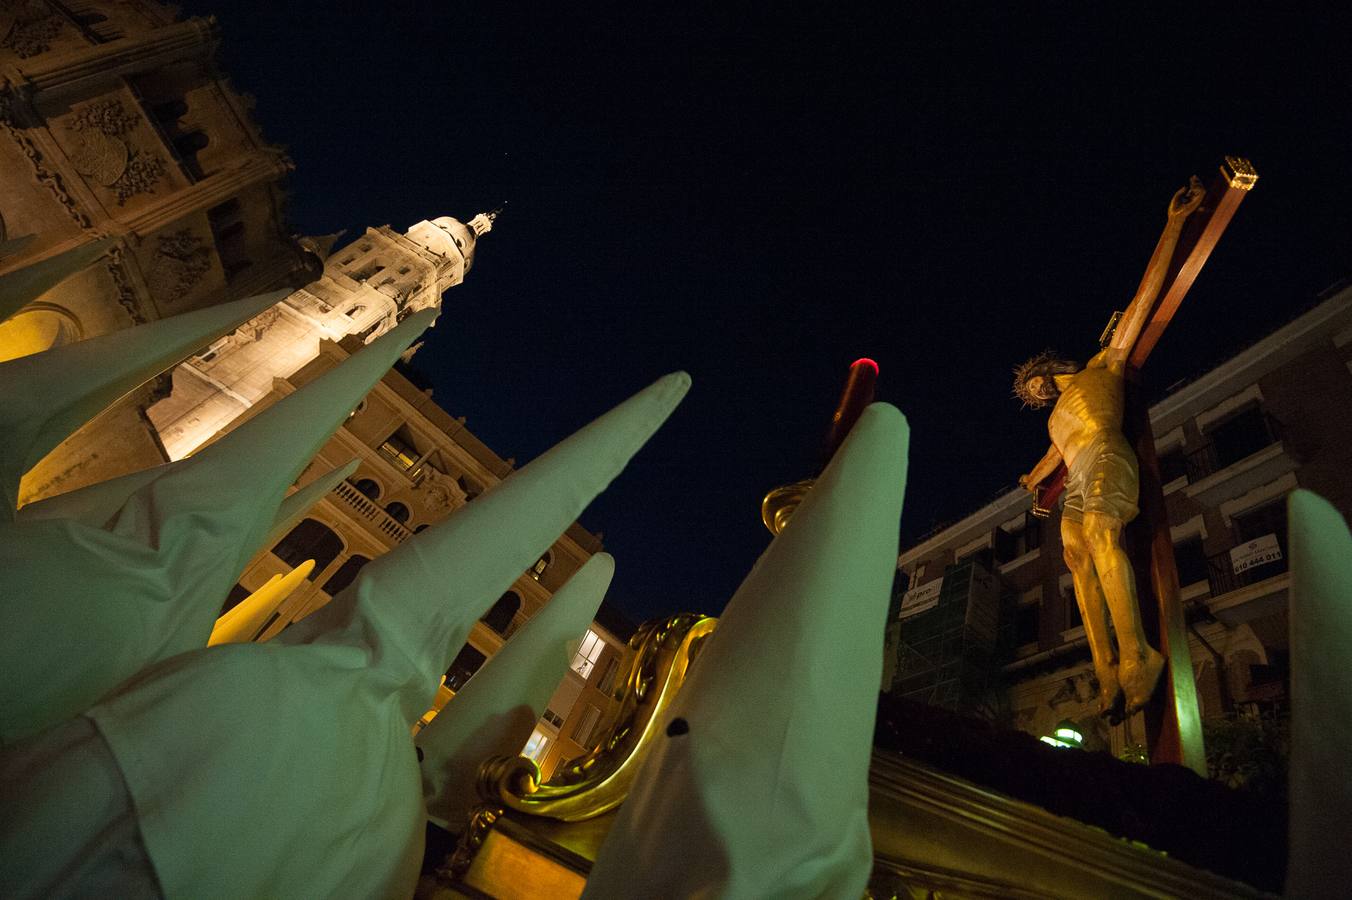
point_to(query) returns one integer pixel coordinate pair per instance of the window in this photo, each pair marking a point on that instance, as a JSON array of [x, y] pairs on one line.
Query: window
[[398, 512], [398, 449], [463, 667], [1241, 435], [403, 270], [1270, 518], [1173, 465], [536, 746], [368, 488], [345, 575], [584, 733], [236, 596], [499, 618], [309, 540], [1013, 540], [1191, 561], [553, 718], [588, 653], [607, 682], [1027, 622], [227, 229], [539, 568]]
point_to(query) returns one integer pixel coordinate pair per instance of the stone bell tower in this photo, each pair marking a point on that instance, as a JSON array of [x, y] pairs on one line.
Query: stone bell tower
[[367, 288]]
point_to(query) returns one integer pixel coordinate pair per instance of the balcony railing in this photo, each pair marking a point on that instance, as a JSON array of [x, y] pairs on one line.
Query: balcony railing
[[1221, 573], [368, 510], [1208, 459]]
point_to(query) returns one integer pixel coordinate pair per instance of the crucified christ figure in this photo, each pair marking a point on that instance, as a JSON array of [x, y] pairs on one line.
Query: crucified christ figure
[[1102, 482]]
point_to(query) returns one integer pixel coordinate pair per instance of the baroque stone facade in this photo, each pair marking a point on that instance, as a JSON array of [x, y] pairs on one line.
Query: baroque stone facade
[[115, 121]]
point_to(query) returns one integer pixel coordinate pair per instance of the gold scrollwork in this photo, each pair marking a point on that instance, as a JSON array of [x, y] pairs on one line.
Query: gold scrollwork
[[660, 655]]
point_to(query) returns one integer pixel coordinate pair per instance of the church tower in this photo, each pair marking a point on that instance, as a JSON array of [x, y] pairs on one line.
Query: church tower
[[366, 289]]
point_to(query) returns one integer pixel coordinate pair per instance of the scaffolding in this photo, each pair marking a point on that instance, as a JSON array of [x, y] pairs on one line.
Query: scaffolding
[[946, 655]]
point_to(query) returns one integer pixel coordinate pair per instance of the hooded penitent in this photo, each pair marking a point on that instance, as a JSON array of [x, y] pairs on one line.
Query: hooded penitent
[[1321, 699], [87, 606], [287, 768], [760, 785], [494, 713]]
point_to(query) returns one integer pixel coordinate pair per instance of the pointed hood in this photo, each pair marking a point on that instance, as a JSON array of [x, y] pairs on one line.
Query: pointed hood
[[352, 688], [249, 615], [45, 397], [149, 584], [1321, 699], [417, 603], [95, 504], [762, 778], [22, 286], [495, 713]]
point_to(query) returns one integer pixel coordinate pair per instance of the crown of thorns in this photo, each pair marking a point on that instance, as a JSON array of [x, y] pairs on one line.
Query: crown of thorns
[[1046, 364]]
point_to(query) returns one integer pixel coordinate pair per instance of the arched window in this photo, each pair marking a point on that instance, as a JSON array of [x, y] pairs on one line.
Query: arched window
[[466, 663], [472, 489], [499, 618], [398, 512], [309, 540], [345, 574], [420, 527], [368, 488]]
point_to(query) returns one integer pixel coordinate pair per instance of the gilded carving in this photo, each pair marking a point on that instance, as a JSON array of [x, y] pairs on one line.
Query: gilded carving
[[181, 259], [28, 28], [103, 153]]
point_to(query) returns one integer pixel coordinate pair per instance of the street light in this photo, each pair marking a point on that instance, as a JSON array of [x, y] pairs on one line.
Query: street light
[[1065, 734]]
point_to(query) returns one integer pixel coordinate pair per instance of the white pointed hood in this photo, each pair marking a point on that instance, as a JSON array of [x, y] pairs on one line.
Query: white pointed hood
[[45, 397], [85, 608], [422, 598], [305, 768], [762, 778], [1318, 864], [23, 286], [494, 714]]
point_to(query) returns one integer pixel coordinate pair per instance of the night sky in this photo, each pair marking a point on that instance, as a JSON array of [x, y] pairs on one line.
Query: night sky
[[760, 198]]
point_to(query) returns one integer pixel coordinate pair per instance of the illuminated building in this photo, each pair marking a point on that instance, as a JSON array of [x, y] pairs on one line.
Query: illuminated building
[[1232, 444], [115, 120]]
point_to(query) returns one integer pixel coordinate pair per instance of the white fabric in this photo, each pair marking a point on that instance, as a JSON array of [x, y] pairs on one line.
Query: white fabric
[[86, 608], [494, 714], [287, 769], [1319, 864], [760, 786], [23, 286], [45, 397]]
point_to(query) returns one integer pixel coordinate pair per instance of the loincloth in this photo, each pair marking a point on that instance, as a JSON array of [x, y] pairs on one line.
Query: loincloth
[[1104, 479]]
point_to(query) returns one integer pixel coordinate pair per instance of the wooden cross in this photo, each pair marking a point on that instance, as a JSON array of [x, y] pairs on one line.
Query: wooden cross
[[1173, 720]]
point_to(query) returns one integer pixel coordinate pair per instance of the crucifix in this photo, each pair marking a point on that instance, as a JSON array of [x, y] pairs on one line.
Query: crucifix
[[1102, 458]]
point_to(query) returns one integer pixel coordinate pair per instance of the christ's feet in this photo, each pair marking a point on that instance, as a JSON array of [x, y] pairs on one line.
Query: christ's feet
[[1139, 678], [1110, 692]]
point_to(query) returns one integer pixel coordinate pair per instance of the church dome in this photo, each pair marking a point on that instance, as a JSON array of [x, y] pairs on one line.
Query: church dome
[[445, 235]]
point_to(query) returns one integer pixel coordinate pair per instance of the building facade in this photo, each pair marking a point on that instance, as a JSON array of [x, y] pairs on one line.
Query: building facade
[[115, 121], [986, 620], [584, 707]]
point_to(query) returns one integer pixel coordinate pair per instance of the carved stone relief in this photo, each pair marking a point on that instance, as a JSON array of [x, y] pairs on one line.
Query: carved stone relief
[[28, 27], [104, 153], [181, 259]]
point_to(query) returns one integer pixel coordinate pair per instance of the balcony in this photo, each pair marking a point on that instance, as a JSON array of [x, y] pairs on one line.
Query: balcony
[[1240, 596], [371, 512], [1229, 465]]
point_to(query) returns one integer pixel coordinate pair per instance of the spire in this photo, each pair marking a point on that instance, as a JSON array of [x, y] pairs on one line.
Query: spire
[[494, 714], [1321, 701], [149, 584], [795, 666], [45, 397]]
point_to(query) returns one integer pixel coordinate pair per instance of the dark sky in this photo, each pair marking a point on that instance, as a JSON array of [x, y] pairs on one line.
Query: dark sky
[[760, 198]]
